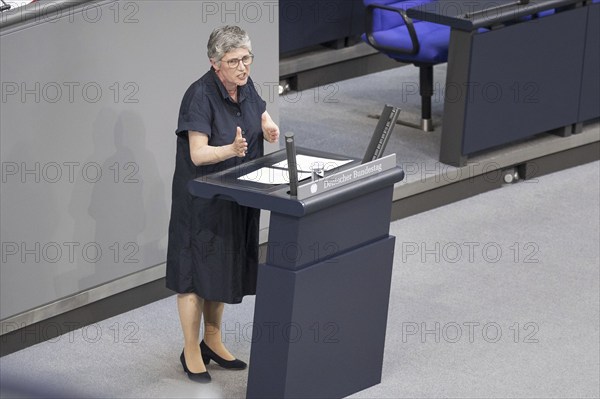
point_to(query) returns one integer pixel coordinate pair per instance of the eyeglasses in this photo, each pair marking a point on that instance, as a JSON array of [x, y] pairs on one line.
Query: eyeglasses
[[234, 62]]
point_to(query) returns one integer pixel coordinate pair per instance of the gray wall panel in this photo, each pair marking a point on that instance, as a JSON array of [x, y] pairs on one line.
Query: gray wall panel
[[89, 106]]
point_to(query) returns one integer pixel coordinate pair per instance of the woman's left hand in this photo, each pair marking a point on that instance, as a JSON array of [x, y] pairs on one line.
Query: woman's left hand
[[270, 129]]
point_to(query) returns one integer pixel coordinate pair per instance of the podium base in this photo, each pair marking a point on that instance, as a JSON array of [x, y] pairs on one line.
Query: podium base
[[319, 332]]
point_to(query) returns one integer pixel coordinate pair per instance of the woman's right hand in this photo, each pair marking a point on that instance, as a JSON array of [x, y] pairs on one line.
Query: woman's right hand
[[239, 145]]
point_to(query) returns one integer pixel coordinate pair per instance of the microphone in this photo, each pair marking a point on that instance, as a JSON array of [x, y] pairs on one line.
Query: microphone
[[292, 167]]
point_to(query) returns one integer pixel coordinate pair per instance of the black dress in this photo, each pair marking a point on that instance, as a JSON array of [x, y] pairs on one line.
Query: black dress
[[213, 244]]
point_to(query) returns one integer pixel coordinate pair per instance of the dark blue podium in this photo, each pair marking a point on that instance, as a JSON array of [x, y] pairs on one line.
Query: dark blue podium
[[322, 296]]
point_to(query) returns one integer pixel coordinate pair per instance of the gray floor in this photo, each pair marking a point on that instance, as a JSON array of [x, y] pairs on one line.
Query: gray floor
[[334, 118], [496, 296]]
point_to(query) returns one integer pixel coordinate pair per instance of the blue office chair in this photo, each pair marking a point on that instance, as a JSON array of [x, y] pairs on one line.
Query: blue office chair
[[424, 44]]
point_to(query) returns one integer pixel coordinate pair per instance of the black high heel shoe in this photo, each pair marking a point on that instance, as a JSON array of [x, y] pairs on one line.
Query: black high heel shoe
[[208, 355], [198, 377]]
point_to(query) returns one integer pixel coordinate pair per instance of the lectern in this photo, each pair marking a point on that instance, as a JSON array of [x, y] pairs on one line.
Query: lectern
[[322, 296]]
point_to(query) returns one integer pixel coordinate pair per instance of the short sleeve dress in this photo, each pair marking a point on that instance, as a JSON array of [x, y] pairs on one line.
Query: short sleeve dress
[[213, 244]]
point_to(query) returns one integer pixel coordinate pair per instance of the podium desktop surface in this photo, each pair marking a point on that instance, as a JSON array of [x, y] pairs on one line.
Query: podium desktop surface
[[275, 197]]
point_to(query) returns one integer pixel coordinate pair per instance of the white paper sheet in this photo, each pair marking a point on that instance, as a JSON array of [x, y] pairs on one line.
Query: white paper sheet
[[272, 176], [304, 163]]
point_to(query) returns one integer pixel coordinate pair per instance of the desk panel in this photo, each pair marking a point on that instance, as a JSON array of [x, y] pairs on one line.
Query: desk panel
[[590, 86], [520, 86], [470, 15], [519, 77], [307, 23]]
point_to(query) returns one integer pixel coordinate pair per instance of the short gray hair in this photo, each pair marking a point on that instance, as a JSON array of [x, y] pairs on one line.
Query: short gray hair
[[227, 38]]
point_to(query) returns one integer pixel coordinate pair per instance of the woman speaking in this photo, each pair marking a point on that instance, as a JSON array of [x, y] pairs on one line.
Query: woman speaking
[[212, 253]]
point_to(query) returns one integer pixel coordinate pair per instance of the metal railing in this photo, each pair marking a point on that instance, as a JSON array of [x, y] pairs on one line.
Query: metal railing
[[42, 10]]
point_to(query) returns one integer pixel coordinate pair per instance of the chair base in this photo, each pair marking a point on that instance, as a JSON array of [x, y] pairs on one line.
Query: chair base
[[426, 125]]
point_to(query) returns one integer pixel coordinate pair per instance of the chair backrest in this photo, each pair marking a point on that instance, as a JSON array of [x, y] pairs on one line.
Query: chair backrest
[[383, 20]]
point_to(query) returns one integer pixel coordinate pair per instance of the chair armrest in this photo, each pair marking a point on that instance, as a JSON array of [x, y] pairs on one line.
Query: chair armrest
[[407, 21]]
